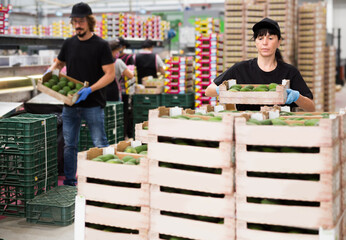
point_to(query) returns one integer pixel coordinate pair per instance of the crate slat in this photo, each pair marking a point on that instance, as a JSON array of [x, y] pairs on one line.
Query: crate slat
[[92, 234], [192, 155]]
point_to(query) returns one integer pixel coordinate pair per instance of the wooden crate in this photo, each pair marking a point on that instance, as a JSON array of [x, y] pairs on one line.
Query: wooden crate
[[70, 99], [323, 135], [180, 128], [113, 194], [140, 133], [271, 97]]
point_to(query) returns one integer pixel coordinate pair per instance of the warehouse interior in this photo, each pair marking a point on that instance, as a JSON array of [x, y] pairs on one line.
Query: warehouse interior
[[203, 167]]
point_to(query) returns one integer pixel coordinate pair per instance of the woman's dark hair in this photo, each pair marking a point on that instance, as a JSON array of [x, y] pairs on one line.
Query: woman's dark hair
[[271, 31], [114, 44]]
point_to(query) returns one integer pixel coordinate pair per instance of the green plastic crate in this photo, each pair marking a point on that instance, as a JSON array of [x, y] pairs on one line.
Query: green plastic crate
[[141, 112], [149, 100], [55, 207], [14, 197], [51, 119], [186, 100]]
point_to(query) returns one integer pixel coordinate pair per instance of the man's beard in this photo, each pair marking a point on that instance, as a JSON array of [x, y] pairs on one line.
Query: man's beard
[[81, 34]]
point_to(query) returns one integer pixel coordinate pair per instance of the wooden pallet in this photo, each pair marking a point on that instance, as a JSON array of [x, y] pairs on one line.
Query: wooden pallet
[[275, 97], [140, 133], [108, 194], [180, 128]]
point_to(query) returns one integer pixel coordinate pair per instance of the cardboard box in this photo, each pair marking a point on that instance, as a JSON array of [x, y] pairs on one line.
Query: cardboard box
[[70, 99]]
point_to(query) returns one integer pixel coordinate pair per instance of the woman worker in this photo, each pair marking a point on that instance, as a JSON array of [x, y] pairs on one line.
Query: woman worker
[[267, 68], [114, 88], [127, 58]]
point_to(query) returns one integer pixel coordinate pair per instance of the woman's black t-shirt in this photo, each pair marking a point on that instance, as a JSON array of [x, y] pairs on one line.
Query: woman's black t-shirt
[[84, 61], [248, 72]]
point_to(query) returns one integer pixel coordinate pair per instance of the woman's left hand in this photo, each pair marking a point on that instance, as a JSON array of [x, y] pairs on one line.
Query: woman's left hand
[[292, 96]]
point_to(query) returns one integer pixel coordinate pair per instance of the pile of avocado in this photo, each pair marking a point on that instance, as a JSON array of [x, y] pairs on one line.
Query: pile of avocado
[[112, 158], [196, 117], [142, 149], [62, 85], [281, 121], [250, 88]]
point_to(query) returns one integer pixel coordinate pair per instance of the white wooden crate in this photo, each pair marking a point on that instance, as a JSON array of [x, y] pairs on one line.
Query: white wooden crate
[[323, 135], [252, 97], [137, 197], [140, 133], [180, 128], [326, 191]]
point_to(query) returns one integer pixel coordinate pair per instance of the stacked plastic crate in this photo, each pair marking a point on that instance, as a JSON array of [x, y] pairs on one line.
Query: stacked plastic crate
[[329, 79], [179, 75], [28, 160], [4, 15], [142, 103], [234, 34], [208, 58], [253, 14], [114, 126], [311, 44], [284, 12]]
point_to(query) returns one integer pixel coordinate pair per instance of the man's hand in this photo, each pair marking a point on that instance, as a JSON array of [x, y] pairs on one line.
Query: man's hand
[[83, 94], [292, 96]]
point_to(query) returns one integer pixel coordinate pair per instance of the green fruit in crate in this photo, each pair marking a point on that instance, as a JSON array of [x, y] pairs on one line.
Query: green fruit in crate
[[261, 88], [196, 118], [278, 121], [66, 89], [215, 119], [61, 84], [311, 122], [78, 86], [130, 149], [55, 77], [141, 148], [56, 88], [307, 114], [296, 124], [107, 157], [252, 121], [233, 90], [237, 86], [266, 201], [199, 113], [48, 84], [272, 86], [266, 122], [143, 153], [128, 158], [71, 85], [97, 159], [115, 161], [63, 92], [130, 163], [145, 128], [53, 81], [63, 79], [71, 92], [244, 89]]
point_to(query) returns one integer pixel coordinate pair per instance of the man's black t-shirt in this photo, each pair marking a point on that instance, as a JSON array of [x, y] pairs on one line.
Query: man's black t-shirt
[[84, 61], [248, 72]]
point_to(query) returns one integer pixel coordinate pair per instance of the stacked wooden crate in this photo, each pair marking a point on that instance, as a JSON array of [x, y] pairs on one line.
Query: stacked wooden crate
[[117, 197], [343, 166], [191, 183], [311, 42], [291, 172], [253, 14], [329, 78], [234, 35], [284, 12]]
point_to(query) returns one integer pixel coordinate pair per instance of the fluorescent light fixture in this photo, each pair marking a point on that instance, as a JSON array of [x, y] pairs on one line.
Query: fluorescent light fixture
[[12, 79], [35, 76]]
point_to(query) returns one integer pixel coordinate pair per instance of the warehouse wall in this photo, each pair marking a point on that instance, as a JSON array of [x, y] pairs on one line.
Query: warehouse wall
[[339, 22]]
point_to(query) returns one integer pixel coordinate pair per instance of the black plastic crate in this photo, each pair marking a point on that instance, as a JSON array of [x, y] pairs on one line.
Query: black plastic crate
[[141, 112], [186, 100], [55, 207], [118, 106], [149, 100], [51, 119], [14, 197]]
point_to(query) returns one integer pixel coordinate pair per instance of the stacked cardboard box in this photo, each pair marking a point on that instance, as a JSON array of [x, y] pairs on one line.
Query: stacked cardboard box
[[4, 15], [61, 28], [311, 43], [329, 79], [179, 75], [234, 32]]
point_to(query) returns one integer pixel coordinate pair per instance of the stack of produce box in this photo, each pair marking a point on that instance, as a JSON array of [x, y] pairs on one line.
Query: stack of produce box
[[114, 126], [179, 75], [62, 29], [28, 160], [285, 13], [152, 27], [234, 34], [115, 187], [208, 65], [253, 14], [311, 44], [4, 15], [191, 176], [329, 78]]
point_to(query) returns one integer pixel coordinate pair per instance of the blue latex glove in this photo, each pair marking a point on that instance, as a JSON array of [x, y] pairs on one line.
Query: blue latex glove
[[83, 94], [217, 90], [292, 96]]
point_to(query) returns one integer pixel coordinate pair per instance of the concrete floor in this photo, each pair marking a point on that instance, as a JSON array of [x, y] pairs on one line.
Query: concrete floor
[[12, 228]]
